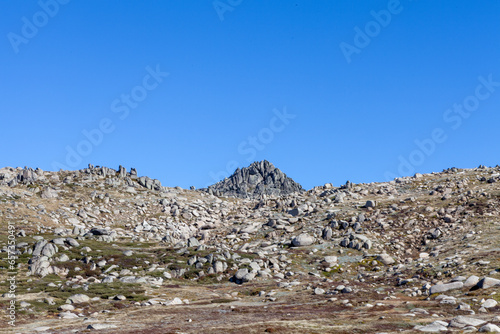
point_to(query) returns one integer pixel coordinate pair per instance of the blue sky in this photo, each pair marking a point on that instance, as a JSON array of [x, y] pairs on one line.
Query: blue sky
[[185, 91]]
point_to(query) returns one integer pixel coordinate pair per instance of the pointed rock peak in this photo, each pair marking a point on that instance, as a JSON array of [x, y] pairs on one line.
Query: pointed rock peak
[[260, 178]]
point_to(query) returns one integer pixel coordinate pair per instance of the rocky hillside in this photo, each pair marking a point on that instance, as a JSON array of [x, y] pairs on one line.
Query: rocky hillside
[[260, 178], [109, 250]]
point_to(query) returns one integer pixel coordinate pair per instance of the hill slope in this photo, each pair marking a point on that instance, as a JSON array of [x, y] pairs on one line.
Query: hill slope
[[109, 249]]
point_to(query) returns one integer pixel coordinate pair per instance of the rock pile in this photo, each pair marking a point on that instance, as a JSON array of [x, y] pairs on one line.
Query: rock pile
[[260, 178]]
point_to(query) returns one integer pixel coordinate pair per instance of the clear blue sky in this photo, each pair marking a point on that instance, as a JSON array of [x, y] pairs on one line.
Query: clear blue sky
[[358, 92]]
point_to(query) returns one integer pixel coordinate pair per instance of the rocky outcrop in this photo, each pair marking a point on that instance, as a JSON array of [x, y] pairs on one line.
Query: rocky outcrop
[[260, 178]]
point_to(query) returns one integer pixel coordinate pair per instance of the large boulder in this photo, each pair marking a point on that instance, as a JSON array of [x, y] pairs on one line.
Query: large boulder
[[40, 266], [243, 275], [330, 260], [436, 326], [149, 183], [101, 326], [471, 281], [77, 299], [240, 274], [462, 321], [490, 328], [26, 175], [302, 240], [488, 282], [439, 288], [37, 249], [386, 259], [49, 250], [43, 248], [49, 193]]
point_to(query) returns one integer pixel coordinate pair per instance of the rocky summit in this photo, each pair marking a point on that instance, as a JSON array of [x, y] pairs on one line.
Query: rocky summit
[[258, 179], [108, 250]]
